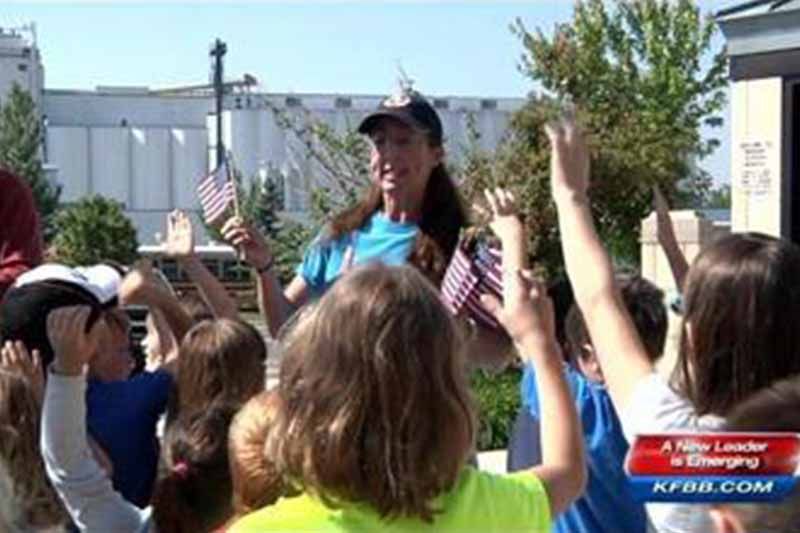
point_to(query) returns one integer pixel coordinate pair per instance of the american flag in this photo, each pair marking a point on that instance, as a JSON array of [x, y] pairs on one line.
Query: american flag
[[216, 193], [468, 276]]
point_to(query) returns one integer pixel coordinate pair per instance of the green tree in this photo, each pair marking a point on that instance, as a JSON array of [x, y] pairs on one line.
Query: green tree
[[20, 145], [92, 230], [637, 74], [261, 204]]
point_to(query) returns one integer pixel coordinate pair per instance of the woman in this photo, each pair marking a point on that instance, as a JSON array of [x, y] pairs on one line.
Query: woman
[[411, 212]]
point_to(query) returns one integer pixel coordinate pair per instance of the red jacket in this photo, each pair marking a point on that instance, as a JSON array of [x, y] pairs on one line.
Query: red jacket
[[20, 235]]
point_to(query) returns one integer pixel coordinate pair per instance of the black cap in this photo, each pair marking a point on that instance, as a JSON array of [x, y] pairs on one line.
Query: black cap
[[409, 107], [25, 307]]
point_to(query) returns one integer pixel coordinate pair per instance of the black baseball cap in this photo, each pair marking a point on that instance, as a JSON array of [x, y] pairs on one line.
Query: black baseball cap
[[410, 108], [26, 306]]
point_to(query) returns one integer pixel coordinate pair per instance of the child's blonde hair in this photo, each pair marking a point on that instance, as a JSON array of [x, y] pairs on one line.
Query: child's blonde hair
[[374, 401], [256, 481]]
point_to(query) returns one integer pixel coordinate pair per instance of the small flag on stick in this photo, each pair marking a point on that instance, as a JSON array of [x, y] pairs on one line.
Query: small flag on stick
[[468, 276], [217, 193]]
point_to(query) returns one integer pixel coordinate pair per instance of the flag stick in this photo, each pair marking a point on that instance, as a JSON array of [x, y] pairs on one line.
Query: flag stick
[[229, 158]]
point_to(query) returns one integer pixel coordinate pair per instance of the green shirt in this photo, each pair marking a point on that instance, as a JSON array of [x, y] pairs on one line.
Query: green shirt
[[480, 502]]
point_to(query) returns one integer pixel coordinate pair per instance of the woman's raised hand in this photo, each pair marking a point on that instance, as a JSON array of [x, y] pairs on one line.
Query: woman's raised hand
[[248, 240]]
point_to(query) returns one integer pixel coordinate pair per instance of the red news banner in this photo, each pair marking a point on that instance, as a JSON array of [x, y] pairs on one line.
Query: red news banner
[[713, 466]]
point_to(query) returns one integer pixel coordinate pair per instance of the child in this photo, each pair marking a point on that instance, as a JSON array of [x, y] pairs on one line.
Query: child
[[220, 361], [122, 412], [256, 481], [193, 493], [607, 504], [376, 422], [742, 306]]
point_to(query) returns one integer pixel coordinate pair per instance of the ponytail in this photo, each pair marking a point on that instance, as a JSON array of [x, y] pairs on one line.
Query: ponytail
[[193, 494]]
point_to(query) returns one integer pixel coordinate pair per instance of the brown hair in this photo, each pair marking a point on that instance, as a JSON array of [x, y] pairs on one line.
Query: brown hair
[[443, 217], [375, 405], [219, 361], [193, 492], [20, 413], [742, 305], [776, 408], [256, 481], [645, 304]]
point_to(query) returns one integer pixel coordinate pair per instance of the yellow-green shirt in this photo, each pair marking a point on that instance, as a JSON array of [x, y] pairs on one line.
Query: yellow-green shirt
[[479, 502]]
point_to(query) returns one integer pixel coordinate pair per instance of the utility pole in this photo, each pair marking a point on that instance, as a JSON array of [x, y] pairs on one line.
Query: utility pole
[[218, 52]]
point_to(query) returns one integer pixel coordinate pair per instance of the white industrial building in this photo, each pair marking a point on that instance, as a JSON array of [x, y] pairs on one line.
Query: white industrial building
[[147, 148]]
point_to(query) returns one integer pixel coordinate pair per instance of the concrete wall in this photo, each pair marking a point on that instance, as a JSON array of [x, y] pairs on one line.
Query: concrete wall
[[756, 178], [151, 171]]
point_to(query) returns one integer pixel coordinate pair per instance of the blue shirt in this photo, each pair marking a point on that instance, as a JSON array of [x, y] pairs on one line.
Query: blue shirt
[[380, 238], [122, 417], [607, 505]]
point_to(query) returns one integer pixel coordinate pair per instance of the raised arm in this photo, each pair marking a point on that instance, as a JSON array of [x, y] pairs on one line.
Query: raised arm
[[614, 337], [505, 223], [527, 315], [83, 485], [276, 304], [669, 243], [180, 246], [140, 287]]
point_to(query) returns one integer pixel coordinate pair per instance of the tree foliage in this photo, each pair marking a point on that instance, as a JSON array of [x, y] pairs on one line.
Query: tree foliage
[[20, 146], [638, 75], [93, 230], [261, 204]]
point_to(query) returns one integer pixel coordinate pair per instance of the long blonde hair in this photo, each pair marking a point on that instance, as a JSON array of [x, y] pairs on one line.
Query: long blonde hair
[[374, 403]]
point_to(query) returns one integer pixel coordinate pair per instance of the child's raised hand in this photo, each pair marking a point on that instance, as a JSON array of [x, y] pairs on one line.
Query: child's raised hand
[[664, 227], [14, 357], [137, 283], [180, 236], [72, 344], [569, 163], [526, 312], [502, 214]]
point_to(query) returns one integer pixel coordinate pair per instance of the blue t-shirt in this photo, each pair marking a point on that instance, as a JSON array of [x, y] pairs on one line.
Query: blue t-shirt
[[380, 238], [122, 417], [607, 505]]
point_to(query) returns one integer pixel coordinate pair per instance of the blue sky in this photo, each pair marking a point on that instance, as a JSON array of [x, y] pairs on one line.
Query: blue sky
[[461, 48]]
